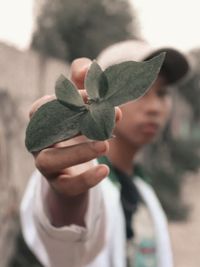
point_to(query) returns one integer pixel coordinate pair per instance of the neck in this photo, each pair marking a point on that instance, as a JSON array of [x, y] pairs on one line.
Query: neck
[[122, 155]]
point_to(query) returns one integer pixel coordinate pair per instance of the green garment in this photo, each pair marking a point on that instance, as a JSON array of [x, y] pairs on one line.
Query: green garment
[[138, 171]]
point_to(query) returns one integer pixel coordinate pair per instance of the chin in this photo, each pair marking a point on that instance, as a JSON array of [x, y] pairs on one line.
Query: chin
[[142, 141]]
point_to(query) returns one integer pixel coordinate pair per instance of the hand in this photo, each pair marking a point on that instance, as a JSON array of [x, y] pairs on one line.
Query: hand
[[67, 166]]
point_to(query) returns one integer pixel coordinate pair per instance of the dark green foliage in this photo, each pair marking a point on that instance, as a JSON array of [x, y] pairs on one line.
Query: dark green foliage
[[167, 161], [23, 256], [67, 94], [98, 122], [139, 77], [190, 88], [68, 115], [69, 29], [52, 122], [96, 82]]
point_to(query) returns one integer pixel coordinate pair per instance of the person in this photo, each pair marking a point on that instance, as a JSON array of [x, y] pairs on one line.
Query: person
[[88, 204]]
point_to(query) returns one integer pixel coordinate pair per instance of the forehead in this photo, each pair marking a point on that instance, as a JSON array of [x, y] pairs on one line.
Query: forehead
[[160, 83]]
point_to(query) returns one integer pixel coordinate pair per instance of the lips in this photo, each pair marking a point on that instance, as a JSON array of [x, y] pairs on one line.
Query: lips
[[150, 128]]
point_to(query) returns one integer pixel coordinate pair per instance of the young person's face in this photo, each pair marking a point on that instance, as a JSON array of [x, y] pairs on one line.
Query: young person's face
[[144, 118]]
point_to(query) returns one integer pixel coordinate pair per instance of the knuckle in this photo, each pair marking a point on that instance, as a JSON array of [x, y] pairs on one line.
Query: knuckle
[[42, 162]]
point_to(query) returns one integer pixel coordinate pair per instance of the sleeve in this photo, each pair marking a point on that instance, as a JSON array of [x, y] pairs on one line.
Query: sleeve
[[53, 246]]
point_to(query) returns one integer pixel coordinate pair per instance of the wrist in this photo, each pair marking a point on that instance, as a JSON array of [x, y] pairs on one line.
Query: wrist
[[65, 210]]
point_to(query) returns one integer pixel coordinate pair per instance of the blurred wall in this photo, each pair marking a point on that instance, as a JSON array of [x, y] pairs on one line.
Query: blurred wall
[[24, 77]]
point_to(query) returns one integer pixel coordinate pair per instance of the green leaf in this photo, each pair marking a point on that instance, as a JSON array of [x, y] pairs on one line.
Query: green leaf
[[67, 93], [96, 82], [130, 80], [52, 122], [98, 122], [68, 116]]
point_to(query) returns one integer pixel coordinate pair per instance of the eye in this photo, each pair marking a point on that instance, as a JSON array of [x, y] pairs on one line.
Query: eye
[[163, 91]]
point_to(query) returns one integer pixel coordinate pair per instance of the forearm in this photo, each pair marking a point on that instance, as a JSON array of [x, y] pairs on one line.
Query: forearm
[[42, 237], [66, 210]]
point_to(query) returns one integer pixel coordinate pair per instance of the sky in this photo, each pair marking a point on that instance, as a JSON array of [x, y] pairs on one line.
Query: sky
[[170, 22], [16, 22], [162, 22]]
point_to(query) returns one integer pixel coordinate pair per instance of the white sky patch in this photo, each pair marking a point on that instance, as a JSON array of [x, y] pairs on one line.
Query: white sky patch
[[163, 22], [171, 22], [16, 22]]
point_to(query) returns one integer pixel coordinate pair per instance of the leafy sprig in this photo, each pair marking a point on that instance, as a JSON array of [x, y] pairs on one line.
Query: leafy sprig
[[68, 115]]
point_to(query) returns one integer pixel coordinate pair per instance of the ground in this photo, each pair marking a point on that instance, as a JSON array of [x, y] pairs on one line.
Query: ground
[[186, 236]]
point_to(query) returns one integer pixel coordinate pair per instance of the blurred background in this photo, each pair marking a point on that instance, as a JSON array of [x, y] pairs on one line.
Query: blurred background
[[39, 39]]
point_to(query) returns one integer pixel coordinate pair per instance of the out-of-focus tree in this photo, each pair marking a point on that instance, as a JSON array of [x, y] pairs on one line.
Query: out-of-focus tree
[[190, 89], [168, 161], [69, 29]]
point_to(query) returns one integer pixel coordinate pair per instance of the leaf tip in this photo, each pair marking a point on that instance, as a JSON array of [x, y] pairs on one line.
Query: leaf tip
[[159, 58]]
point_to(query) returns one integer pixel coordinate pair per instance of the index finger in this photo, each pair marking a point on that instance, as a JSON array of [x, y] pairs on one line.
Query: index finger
[[53, 160]]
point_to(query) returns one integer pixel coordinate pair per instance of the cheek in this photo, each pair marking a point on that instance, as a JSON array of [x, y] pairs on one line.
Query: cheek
[[128, 116], [131, 116], [130, 109], [128, 126]]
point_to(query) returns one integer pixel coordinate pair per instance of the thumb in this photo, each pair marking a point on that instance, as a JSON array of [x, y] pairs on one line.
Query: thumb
[[79, 68]]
